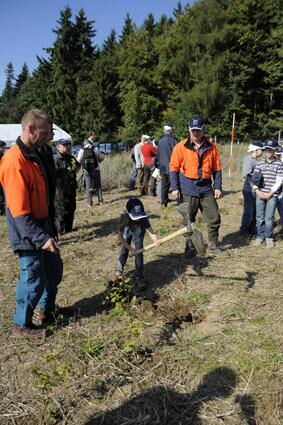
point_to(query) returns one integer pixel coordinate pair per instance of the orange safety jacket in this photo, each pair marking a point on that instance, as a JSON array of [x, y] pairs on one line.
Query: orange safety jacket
[[24, 180], [186, 160]]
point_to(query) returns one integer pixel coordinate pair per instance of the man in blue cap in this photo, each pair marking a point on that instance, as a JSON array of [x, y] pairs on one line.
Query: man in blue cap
[[196, 177], [66, 184]]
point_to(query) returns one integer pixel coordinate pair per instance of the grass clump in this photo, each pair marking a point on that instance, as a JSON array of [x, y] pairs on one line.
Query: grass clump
[[93, 347], [197, 298]]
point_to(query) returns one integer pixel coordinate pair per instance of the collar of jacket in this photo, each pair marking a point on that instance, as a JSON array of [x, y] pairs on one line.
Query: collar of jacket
[[28, 153], [205, 146]]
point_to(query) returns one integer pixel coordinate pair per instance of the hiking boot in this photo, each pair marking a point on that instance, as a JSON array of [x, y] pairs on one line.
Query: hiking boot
[[213, 249], [269, 243], [32, 332], [258, 242]]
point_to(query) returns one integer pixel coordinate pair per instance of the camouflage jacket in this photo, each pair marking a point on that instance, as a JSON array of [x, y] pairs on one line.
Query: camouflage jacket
[[66, 170]]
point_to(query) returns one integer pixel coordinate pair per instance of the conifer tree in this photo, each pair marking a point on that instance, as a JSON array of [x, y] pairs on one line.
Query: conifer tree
[[62, 91], [21, 79]]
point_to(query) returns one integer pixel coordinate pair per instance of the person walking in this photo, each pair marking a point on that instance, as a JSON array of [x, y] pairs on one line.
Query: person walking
[[267, 180], [164, 151], [25, 184], [248, 223], [149, 152], [194, 164], [66, 185], [90, 157]]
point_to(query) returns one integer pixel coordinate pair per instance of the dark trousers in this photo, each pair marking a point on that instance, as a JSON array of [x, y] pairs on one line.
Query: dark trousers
[[248, 223], [165, 186], [133, 177], [93, 184], [2, 201], [136, 235], [148, 185], [280, 207], [209, 209], [65, 211]]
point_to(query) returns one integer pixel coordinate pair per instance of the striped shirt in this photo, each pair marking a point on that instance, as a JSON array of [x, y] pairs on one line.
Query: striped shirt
[[272, 173]]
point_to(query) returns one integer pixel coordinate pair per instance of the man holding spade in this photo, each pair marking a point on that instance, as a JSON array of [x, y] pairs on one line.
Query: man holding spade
[[196, 177]]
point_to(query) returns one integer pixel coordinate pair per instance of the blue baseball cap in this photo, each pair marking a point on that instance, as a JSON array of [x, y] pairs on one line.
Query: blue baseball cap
[[63, 142], [270, 144], [135, 209], [196, 123]]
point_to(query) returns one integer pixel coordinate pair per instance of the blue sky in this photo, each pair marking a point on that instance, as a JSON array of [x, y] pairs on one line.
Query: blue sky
[[26, 25]]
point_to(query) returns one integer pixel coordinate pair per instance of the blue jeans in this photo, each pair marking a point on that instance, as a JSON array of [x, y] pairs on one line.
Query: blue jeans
[[40, 274], [136, 235], [265, 217], [133, 177], [248, 224]]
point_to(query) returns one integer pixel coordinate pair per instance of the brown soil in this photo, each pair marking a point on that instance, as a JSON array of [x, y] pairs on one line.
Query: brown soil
[[202, 347]]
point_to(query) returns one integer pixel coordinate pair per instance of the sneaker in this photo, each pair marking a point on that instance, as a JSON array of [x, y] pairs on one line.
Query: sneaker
[[29, 332], [258, 242], [213, 249], [269, 243]]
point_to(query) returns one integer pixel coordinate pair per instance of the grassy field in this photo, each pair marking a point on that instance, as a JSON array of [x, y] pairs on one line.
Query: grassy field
[[203, 347]]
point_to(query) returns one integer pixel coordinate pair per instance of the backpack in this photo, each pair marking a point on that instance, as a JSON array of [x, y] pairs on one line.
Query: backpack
[[89, 161]]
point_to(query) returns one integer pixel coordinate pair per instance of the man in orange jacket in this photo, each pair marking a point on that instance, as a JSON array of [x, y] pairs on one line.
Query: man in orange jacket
[[27, 191], [194, 163]]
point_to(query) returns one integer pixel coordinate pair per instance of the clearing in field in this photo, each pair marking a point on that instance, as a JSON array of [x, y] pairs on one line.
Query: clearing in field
[[203, 347]]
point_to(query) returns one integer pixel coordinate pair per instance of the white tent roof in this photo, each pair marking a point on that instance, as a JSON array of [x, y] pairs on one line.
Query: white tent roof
[[10, 132]]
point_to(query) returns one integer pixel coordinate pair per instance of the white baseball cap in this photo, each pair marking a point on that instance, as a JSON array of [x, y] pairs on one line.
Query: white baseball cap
[[167, 128]]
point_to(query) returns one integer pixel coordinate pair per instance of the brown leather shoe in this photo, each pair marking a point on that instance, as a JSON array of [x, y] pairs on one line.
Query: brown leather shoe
[[31, 332]]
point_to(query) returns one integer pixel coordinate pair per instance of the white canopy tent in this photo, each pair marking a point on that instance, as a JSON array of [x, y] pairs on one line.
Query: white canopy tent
[[10, 132]]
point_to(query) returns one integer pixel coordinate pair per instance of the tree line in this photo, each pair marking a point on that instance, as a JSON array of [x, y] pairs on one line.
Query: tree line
[[214, 58]]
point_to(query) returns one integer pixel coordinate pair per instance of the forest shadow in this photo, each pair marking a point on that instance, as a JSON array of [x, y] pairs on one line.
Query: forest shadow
[[161, 405]]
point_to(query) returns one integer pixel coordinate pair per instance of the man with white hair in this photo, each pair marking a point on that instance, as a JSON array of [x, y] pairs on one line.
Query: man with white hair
[[140, 163], [165, 147]]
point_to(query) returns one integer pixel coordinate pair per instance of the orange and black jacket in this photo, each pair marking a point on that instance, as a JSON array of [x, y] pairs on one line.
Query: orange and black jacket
[[192, 171], [25, 184]]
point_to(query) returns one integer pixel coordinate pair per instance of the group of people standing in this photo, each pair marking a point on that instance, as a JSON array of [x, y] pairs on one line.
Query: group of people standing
[[147, 156], [40, 195], [262, 190]]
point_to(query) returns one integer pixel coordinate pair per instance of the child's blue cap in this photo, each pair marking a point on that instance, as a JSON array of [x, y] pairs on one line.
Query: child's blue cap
[[135, 209]]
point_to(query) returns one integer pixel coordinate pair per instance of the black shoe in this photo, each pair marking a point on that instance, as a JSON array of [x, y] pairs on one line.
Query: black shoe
[[190, 250]]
